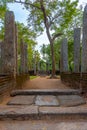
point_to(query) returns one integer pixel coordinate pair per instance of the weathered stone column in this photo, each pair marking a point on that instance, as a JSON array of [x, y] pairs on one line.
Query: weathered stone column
[[16, 46], [77, 49], [23, 53], [1, 56], [34, 65], [26, 58], [64, 56], [47, 66], [84, 42], [22, 61], [39, 66], [9, 56]]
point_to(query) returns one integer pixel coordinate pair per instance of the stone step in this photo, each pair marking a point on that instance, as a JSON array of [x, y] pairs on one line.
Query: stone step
[[47, 100], [35, 112], [46, 92], [43, 125]]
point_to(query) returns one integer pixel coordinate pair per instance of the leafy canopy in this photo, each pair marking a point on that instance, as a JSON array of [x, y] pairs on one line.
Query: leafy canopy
[[58, 13]]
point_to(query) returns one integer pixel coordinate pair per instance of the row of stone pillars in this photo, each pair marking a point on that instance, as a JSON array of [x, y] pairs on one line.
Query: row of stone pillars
[[64, 49], [64, 52], [38, 68], [9, 48]]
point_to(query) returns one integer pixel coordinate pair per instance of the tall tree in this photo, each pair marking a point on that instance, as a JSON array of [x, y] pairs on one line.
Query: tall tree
[[76, 22], [50, 15]]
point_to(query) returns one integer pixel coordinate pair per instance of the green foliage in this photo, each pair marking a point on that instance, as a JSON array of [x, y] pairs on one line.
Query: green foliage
[[68, 31], [2, 33], [33, 77], [62, 16], [36, 58], [24, 33], [47, 53], [3, 9], [28, 37], [59, 14]]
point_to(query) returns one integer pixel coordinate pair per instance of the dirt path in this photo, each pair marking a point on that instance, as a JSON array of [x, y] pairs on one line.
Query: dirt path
[[40, 83], [44, 83]]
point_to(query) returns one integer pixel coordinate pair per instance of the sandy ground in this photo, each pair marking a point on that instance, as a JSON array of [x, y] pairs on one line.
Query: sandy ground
[[44, 83]]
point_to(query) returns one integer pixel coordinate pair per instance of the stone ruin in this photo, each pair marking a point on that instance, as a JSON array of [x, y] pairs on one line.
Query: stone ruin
[[9, 55], [9, 48], [77, 78], [9, 71]]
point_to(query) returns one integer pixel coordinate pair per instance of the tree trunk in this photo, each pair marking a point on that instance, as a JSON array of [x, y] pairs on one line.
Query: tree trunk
[[46, 23], [53, 60]]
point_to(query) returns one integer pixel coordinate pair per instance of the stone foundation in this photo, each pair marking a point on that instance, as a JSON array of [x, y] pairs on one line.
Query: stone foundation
[[9, 83], [75, 80]]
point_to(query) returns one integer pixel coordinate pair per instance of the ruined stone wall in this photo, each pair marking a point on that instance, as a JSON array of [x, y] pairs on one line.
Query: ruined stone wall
[[7, 84], [75, 80]]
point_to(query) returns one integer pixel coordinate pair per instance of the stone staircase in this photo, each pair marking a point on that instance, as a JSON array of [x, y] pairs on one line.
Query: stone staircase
[[45, 104]]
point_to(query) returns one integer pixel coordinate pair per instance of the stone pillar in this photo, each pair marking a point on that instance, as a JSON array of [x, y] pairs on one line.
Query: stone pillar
[[64, 56], [26, 58], [23, 54], [84, 42], [77, 49], [1, 56], [39, 66], [22, 61], [9, 55], [16, 46], [47, 66], [35, 71]]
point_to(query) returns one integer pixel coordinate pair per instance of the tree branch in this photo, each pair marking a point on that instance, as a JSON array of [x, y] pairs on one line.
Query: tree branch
[[46, 22], [52, 20], [56, 35], [27, 3]]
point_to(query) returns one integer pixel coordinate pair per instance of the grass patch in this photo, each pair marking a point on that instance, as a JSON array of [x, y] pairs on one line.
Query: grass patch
[[33, 77]]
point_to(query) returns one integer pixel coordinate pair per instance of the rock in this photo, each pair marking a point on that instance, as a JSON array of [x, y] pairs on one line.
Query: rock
[[46, 101], [70, 100], [18, 112], [22, 100], [63, 110]]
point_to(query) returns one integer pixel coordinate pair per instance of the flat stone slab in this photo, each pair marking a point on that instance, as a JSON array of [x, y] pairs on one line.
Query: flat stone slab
[[46, 92], [46, 100], [63, 110], [22, 100], [18, 112], [70, 100], [63, 113], [43, 125]]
